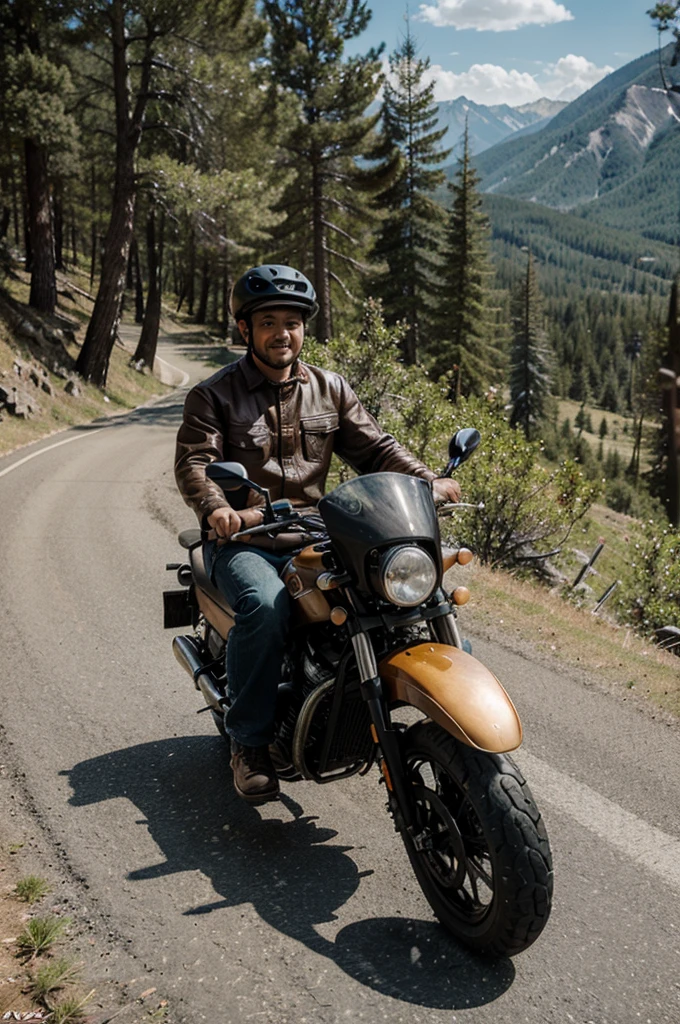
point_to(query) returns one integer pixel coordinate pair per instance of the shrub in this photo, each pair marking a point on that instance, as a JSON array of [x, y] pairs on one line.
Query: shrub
[[651, 594], [527, 507]]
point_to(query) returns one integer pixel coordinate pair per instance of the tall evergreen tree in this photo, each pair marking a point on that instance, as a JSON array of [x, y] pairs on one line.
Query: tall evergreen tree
[[530, 358], [466, 350], [130, 40], [411, 236], [34, 85], [327, 207]]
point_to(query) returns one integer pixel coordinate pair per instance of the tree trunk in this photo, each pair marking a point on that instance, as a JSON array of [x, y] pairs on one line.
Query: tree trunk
[[671, 406], [148, 339], [191, 274], [58, 207], [4, 221], [93, 361], [137, 276], [321, 273], [43, 296], [15, 209], [205, 292], [74, 236]]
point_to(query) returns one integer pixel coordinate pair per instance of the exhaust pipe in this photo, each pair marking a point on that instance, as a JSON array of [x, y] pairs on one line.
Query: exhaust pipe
[[189, 658]]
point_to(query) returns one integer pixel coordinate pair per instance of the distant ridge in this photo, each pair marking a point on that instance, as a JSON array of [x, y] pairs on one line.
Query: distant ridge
[[612, 155], [489, 125]]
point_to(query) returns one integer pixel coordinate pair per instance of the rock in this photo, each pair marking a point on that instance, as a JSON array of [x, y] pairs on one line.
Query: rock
[[60, 371], [27, 330], [71, 388], [34, 376], [19, 367], [24, 405], [46, 385], [55, 337]]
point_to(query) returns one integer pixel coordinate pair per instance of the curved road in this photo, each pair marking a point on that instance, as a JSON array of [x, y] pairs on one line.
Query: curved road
[[305, 910]]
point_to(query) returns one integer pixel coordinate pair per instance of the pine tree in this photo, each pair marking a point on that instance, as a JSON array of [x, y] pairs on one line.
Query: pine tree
[[130, 41], [530, 360], [328, 214], [34, 88], [465, 349], [411, 236]]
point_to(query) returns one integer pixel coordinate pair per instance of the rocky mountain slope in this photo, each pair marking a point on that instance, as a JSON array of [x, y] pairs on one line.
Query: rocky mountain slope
[[612, 155], [489, 125]]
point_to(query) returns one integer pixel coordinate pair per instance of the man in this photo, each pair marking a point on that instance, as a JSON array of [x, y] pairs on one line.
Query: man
[[283, 420]]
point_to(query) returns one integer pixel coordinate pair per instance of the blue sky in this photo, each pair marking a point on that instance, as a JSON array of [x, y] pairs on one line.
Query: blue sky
[[513, 51]]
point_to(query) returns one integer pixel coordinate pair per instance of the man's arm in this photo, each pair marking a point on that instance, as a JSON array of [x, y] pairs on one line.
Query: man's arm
[[199, 442]]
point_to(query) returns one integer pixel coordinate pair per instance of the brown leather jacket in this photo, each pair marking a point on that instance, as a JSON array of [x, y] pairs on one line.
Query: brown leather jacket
[[284, 435]]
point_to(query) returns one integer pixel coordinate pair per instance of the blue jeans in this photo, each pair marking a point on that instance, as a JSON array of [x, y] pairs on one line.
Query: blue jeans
[[249, 579]]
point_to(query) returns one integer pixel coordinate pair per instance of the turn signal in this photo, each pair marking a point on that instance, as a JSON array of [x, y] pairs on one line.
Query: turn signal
[[455, 556], [461, 595], [338, 616]]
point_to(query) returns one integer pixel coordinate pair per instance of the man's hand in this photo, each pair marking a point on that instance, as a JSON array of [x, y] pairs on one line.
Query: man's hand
[[226, 522], [445, 489]]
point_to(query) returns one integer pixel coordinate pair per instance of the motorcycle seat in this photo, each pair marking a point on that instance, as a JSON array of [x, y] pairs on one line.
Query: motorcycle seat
[[203, 581], [189, 538]]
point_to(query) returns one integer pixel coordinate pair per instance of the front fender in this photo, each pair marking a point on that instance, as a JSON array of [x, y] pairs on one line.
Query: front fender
[[456, 691]]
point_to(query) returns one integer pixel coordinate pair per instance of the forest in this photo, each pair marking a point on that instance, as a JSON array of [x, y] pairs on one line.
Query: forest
[[162, 148]]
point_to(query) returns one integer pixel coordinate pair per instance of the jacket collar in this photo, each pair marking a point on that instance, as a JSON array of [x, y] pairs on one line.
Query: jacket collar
[[254, 378]]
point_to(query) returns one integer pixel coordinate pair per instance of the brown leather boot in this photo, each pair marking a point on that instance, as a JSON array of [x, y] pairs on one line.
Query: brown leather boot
[[254, 777]]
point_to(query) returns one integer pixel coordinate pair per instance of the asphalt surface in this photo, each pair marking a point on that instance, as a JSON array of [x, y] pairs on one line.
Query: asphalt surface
[[304, 910]]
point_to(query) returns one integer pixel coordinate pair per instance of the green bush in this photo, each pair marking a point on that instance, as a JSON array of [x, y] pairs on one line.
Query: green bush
[[527, 507], [651, 595]]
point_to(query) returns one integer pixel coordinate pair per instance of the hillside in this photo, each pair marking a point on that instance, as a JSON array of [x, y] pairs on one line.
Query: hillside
[[573, 251], [610, 155]]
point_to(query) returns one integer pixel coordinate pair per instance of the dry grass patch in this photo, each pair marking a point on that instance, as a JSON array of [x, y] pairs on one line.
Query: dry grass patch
[[126, 388]]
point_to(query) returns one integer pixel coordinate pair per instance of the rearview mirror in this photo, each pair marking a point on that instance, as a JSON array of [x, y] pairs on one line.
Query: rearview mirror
[[231, 476], [461, 447]]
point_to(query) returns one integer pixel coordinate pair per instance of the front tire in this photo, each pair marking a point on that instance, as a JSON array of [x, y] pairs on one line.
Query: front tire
[[479, 849]]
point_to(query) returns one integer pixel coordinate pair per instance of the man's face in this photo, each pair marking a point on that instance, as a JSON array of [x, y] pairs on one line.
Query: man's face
[[277, 336]]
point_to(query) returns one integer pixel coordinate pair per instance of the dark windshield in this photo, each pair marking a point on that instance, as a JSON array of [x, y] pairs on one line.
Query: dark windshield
[[377, 510]]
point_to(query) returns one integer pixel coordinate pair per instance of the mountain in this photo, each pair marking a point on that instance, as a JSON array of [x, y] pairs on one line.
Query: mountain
[[611, 155], [489, 125]]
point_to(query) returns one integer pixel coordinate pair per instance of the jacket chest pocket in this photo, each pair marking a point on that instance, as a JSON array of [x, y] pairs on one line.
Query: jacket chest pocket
[[317, 435], [249, 443]]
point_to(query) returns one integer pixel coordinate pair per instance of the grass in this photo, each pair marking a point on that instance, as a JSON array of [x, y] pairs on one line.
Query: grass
[[70, 1009], [41, 933], [31, 888], [619, 437], [53, 977], [528, 618]]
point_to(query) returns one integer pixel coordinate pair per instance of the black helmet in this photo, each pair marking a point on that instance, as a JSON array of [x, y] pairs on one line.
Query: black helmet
[[272, 285]]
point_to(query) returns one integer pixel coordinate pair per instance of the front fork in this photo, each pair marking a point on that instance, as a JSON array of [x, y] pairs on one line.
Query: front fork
[[384, 734]]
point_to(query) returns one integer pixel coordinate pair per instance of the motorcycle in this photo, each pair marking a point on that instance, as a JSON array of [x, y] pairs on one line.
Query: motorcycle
[[374, 633]]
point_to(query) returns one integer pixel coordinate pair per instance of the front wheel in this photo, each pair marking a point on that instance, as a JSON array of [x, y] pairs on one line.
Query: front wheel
[[479, 849]]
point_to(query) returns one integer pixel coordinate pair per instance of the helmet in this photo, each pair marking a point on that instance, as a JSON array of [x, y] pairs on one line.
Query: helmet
[[272, 285]]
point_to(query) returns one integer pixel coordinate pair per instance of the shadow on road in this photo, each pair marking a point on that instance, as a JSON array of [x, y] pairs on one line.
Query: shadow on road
[[289, 868]]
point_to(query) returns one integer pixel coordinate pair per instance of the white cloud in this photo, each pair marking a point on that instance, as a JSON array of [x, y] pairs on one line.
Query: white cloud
[[485, 83], [490, 83], [494, 15], [573, 75]]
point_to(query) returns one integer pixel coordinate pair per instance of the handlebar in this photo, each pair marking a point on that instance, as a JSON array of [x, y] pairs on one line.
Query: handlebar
[[453, 506]]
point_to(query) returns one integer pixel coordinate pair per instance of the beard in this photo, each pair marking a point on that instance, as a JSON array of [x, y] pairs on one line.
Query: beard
[[276, 358]]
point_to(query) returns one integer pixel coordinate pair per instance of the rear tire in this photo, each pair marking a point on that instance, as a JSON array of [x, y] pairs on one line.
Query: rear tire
[[480, 850]]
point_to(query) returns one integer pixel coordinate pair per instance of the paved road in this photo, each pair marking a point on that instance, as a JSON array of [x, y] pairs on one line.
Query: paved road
[[304, 910]]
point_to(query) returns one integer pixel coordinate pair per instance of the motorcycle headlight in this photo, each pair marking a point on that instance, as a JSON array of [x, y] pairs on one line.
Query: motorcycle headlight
[[408, 575]]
